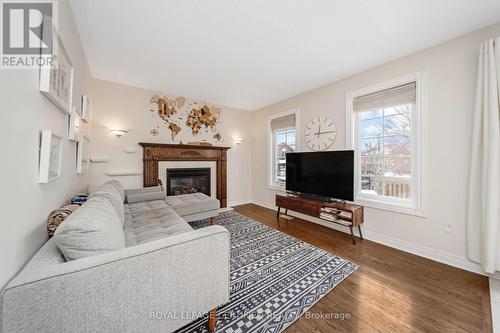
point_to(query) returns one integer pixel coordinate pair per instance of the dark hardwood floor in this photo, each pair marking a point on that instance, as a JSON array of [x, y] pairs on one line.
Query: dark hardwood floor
[[392, 291]]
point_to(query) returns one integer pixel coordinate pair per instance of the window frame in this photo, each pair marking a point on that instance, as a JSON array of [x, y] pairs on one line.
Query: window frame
[[416, 205], [271, 184]]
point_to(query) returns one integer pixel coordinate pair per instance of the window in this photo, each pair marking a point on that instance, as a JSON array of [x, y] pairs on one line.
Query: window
[[387, 138], [282, 141]]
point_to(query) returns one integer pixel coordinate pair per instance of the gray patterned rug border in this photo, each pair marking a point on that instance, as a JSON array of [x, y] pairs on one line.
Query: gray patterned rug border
[[275, 278]]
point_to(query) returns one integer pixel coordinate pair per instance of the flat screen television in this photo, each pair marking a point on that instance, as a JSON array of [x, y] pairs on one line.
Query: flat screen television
[[327, 174]]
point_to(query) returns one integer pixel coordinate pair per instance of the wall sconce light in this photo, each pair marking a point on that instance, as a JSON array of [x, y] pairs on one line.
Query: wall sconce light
[[118, 132], [238, 141]]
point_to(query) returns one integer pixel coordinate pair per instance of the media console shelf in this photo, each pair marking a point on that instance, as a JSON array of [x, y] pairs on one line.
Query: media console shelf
[[346, 214]]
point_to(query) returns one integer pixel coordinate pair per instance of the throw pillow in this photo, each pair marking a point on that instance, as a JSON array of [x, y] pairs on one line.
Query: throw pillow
[[109, 192], [56, 217], [92, 229]]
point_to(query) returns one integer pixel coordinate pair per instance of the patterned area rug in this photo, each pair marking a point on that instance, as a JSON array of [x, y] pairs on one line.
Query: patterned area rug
[[275, 278]]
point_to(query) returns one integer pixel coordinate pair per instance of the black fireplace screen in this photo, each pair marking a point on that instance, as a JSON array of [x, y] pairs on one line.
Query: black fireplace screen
[[186, 181]]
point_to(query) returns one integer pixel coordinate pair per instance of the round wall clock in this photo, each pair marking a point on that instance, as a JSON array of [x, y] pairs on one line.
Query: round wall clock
[[320, 133]]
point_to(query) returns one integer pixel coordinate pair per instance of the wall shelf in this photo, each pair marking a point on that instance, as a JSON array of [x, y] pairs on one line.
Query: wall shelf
[[130, 149], [123, 173], [100, 159]]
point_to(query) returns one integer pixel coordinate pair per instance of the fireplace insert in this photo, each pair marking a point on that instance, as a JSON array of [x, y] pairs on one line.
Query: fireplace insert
[[188, 180]]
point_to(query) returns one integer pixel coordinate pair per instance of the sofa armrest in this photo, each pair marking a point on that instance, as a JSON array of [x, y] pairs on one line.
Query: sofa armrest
[[143, 190], [144, 194], [124, 290]]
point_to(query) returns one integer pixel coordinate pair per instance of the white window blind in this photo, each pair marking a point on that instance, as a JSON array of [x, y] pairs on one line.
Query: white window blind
[[404, 94], [287, 121]]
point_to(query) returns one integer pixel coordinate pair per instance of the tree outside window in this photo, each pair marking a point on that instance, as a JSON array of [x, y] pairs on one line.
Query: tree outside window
[[284, 142], [385, 150]]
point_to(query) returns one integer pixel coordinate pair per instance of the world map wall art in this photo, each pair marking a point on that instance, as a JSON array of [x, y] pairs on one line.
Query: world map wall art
[[177, 113]]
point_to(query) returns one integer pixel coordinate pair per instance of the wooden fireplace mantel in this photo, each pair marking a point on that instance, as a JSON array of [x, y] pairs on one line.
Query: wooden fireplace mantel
[[153, 153]]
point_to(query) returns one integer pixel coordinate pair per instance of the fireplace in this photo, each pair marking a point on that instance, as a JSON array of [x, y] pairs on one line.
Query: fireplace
[[155, 153], [188, 180]]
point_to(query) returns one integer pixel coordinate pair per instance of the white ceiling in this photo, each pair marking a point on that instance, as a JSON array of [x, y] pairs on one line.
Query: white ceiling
[[249, 54]]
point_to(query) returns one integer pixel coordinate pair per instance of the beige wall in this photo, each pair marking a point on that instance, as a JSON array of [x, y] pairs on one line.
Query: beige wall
[[24, 113], [116, 105], [451, 77]]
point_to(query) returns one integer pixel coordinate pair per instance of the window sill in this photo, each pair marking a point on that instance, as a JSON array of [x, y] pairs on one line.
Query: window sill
[[276, 188], [391, 207]]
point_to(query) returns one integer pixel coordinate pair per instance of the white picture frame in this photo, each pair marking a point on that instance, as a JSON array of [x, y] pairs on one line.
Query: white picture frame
[[56, 80], [51, 149], [85, 108], [74, 123], [83, 155]]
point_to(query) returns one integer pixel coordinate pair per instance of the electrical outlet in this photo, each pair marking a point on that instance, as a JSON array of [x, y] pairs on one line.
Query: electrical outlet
[[448, 228]]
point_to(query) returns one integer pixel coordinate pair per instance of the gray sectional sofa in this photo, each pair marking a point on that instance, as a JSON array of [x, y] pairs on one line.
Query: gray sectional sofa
[[115, 267]]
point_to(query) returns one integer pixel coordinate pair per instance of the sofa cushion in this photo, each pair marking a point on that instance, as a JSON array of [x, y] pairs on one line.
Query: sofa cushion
[[139, 207], [109, 192], [189, 204], [118, 186], [92, 229], [150, 220], [145, 196]]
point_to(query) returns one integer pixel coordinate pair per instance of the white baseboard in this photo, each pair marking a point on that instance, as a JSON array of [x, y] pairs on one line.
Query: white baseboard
[[256, 202], [416, 249], [426, 252], [232, 203]]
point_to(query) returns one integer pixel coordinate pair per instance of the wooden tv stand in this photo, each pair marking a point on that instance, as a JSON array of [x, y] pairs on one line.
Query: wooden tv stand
[[346, 214]]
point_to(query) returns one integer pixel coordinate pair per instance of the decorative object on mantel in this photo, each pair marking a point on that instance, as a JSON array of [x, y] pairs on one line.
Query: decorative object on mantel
[[123, 173], [56, 217], [85, 108], [50, 157], [118, 131], [200, 120], [320, 133], [100, 159], [200, 143], [56, 80], [73, 125]]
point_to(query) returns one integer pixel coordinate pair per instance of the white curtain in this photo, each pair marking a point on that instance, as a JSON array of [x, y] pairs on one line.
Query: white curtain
[[483, 217]]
